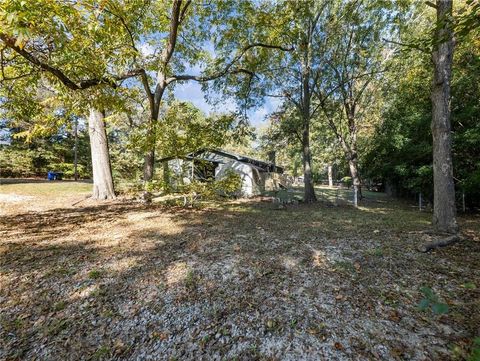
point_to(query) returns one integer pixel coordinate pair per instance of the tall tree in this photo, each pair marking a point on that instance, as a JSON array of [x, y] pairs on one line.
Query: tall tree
[[166, 40], [70, 45], [401, 153], [354, 63], [444, 209], [291, 75], [175, 46]]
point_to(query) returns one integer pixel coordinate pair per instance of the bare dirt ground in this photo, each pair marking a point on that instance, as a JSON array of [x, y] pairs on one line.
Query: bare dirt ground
[[241, 280]]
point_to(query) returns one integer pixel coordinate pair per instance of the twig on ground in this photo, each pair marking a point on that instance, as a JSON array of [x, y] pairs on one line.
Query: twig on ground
[[81, 200]]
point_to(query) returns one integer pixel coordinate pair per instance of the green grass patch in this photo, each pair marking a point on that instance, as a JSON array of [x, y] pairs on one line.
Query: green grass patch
[[43, 189], [95, 274]]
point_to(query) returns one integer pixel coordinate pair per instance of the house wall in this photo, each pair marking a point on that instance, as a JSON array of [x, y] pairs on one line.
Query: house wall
[[253, 180]]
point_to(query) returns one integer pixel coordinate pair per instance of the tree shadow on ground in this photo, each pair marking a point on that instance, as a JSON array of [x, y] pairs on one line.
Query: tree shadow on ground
[[121, 280]]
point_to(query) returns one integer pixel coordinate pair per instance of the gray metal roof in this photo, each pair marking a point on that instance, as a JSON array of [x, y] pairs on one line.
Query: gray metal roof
[[217, 156]]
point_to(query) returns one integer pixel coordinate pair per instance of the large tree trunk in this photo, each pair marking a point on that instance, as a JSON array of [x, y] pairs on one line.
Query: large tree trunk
[[149, 157], [309, 193], [444, 211], [149, 165], [75, 149], [353, 166], [102, 171], [309, 190], [155, 101], [330, 176], [350, 151]]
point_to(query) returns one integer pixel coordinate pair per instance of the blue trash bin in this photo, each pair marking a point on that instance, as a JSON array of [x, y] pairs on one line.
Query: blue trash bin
[[51, 176]]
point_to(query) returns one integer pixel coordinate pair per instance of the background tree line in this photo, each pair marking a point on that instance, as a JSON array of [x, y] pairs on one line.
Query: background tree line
[[353, 78]]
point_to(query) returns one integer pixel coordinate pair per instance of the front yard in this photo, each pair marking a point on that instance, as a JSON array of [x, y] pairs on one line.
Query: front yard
[[240, 280]]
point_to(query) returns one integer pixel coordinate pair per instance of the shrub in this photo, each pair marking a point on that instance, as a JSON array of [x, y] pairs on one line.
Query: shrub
[[229, 185], [17, 163], [204, 190], [347, 181], [431, 301], [68, 170]]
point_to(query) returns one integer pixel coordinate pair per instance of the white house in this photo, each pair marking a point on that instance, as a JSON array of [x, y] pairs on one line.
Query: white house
[[257, 176]]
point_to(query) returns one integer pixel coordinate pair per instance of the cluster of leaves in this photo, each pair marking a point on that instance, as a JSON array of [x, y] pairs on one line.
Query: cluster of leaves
[[184, 129], [431, 301], [229, 185], [475, 354]]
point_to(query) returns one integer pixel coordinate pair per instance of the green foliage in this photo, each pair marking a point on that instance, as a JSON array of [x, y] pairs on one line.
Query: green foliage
[[154, 185], [43, 154], [185, 129], [95, 274], [16, 163], [347, 181], [192, 280], [229, 185], [431, 301], [475, 353], [401, 151], [69, 170]]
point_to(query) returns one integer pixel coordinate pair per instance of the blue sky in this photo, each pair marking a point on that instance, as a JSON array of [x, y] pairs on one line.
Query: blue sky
[[192, 92]]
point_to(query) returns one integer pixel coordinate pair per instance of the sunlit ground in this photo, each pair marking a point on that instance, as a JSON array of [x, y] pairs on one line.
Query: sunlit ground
[[243, 279]]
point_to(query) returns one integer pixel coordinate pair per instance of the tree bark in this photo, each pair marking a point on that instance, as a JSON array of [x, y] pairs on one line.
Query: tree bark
[[309, 191], [149, 157], [155, 101], [75, 149], [350, 151], [330, 176], [444, 211], [102, 171], [353, 166], [305, 112], [149, 165], [166, 176]]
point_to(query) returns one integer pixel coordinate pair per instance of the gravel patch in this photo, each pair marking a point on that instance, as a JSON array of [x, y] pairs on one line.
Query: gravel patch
[[129, 282]]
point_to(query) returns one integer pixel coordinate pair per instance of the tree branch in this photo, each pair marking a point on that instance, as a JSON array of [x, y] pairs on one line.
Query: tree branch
[[406, 45], [60, 75], [227, 68]]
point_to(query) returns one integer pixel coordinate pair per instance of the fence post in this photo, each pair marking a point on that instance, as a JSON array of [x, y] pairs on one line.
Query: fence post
[[420, 201], [463, 201]]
